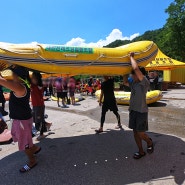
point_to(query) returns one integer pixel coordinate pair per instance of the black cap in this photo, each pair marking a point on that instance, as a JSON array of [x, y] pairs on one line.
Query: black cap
[[20, 71]]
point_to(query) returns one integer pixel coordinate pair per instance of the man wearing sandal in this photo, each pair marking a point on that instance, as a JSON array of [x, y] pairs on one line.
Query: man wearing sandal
[[138, 117], [109, 103]]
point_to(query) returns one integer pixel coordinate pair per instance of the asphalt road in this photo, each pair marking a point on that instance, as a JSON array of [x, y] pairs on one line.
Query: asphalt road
[[73, 154]]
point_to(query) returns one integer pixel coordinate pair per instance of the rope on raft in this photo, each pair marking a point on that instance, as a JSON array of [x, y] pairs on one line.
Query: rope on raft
[[102, 55]]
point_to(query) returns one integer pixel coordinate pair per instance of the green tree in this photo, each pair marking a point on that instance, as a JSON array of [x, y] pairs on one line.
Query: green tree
[[176, 29], [171, 38], [117, 43]]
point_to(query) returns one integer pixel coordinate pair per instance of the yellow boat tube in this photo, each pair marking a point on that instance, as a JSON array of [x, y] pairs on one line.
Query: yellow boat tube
[[77, 60], [123, 98]]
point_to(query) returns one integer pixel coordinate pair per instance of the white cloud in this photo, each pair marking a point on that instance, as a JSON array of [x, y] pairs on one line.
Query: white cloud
[[116, 34]]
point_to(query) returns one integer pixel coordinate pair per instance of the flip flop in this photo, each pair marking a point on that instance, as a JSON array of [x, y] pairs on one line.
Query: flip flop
[[150, 149], [26, 168], [98, 131], [137, 155]]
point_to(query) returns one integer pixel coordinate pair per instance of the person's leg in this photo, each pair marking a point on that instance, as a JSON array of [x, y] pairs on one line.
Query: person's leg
[[63, 99], [30, 153], [66, 97], [40, 121], [102, 118], [142, 127], [145, 137], [36, 118], [73, 100], [43, 126], [118, 118], [139, 134], [103, 113], [42, 129], [47, 124], [22, 130], [58, 102], [31, 157], [63, 102], [138, 141], [59, 96]]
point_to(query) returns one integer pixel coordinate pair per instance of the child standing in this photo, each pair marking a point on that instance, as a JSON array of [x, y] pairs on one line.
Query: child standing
[[38, 104], [20, 113]]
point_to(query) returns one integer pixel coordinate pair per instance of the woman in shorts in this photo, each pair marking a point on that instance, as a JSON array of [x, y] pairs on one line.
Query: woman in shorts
[[21, 115]]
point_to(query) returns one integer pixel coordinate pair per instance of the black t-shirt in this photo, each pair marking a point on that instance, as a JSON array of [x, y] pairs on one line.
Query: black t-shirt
[[108, 89], [156, 80], [19, 106]]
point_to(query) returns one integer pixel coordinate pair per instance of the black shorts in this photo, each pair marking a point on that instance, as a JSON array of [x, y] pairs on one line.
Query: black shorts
[[138, 121], [64, 95], [110, 105], [72, 93], [59, 94]]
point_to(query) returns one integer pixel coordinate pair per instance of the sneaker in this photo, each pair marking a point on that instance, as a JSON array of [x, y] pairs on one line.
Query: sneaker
[[118, 127]]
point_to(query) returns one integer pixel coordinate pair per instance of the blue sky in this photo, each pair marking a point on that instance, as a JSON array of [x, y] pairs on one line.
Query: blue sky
[[79, 22]]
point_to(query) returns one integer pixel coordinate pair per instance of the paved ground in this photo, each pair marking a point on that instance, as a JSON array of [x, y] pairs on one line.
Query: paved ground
[[73, 155]]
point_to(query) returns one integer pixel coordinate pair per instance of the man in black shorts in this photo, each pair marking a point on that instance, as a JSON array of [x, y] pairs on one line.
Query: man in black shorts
[[138, 117], [109, 103]]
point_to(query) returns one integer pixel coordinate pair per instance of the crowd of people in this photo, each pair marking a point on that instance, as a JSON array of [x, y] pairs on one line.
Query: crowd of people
[[87, 86], [22, 116], [65, 90]]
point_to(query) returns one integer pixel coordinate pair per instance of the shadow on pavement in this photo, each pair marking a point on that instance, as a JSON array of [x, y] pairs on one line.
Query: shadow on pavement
[[157, 104], [104, 159]]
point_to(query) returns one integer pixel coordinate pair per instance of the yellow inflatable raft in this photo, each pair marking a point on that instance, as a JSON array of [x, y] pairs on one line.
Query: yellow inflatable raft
[[77, 60], [123, 98]]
